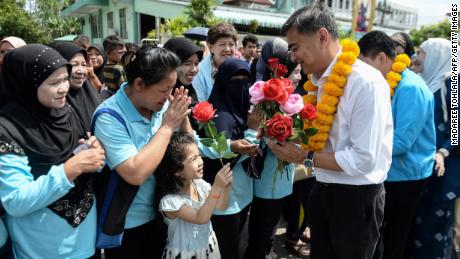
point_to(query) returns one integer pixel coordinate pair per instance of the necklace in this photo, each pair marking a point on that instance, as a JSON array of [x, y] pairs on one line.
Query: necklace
[[333, 90]]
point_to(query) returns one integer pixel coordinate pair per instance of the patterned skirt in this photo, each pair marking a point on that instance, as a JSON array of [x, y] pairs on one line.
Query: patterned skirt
[[210, 252]]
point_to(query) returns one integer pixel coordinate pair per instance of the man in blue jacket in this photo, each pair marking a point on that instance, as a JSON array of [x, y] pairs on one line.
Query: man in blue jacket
[[414, 144]]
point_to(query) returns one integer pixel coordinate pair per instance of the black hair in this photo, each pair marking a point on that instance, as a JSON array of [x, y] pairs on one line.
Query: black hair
[[112, 42], [173, 161], [408, 44], [250, 38], [131, 46], [374, 42], [311, 18], [82, 39], [152, 64]]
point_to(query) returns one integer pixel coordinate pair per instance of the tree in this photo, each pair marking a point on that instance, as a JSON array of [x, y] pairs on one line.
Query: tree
[[15, 21], [253, 26], [48, 14], [439, 30], [198, 13]]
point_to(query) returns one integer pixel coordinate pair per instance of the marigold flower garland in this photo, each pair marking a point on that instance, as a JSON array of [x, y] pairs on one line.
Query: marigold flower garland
[[333, 89], [402, 61]]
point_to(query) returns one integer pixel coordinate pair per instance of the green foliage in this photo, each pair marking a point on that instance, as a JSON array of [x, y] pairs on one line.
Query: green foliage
[[439, 30], [40, 23], [198, 13], [343, 33], [48, 14], [15, 21], [253, 26], [177, 26]]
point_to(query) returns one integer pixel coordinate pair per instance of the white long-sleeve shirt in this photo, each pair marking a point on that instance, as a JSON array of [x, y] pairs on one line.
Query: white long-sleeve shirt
[[362, 132]]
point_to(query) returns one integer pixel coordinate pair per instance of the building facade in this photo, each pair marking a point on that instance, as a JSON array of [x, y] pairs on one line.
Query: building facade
[[133, 19]]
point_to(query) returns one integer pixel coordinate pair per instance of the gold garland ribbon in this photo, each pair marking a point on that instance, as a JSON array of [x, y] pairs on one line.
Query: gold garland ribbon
[[402, 61], [333, 89]]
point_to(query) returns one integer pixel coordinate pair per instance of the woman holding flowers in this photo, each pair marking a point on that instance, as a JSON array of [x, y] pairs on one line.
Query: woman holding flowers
[[352, 150], [274, 98], [230, 98]]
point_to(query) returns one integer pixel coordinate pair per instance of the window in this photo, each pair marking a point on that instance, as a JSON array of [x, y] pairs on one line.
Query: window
[[123, 31], [110, 22], [96, 30]]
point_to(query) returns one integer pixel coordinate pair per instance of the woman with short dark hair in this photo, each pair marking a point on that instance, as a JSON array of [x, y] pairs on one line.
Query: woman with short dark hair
[[151, 115]]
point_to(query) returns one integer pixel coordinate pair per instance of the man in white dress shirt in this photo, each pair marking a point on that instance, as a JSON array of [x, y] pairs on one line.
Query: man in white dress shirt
[[347, 201]]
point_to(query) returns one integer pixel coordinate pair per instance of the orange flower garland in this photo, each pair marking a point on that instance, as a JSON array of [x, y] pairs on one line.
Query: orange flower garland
[[333, 89], [402, 61]]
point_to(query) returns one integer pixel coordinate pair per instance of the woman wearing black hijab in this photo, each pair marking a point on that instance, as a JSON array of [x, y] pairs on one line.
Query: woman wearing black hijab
[[190, 56], [96, 62], [82, 97], [44, 187], [230, 97]]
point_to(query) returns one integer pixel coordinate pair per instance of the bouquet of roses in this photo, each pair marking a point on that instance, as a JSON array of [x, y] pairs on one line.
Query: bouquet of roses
[[285, 114], [204, 113]]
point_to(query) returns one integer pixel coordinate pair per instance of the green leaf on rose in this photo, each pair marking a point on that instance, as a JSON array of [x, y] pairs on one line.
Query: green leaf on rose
[[303, 138], [211, 130], [230, 155], [311, 131], [221, 143], [207, 142]]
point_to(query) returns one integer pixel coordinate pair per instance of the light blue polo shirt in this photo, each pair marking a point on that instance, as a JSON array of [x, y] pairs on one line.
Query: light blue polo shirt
[[3, 233], [414, 140], [120, 146], [272, 184], [36, 231], [242, 186]]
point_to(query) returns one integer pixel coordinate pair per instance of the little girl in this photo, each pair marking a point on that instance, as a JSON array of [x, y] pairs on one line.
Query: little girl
[[188, 201]]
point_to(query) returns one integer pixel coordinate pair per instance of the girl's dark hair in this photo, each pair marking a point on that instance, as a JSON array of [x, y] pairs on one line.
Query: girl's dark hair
[[152, 64], [173, 161]]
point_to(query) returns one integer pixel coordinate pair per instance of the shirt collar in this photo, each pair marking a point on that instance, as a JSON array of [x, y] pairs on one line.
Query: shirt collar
[[320, 81], [128, 107]]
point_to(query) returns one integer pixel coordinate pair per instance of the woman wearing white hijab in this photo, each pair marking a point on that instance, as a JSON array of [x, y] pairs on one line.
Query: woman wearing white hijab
[[434, 222]]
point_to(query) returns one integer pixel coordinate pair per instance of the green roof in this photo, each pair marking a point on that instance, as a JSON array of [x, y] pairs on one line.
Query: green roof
[[69, 37], [83, 7]]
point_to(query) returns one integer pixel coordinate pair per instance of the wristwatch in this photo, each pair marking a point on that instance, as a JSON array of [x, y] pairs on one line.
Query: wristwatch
[[308, 163]]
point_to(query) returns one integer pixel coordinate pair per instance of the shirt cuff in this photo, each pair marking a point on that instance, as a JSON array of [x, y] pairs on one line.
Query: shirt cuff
[[250, 133], [344, 162], [58, 173]]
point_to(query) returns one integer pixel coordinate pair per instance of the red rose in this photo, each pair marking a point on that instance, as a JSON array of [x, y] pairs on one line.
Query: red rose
[[203, 112], [274, 90], [288, 86], [273, 64], [281, 70], [309, 112], [279, 127]]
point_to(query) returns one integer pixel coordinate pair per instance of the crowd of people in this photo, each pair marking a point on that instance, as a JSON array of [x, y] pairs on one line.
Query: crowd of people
[[100, 153]]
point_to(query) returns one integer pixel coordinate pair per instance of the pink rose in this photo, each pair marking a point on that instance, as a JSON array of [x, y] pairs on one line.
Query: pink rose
[[293, 105], [257, 92]]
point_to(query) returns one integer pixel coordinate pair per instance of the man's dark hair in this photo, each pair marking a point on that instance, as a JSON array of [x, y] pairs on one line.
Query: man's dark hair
[[374, 42], [311, 18], [403, 39], [112, 42], [152, 64], [83, 39], [221, 30], [250, 38]]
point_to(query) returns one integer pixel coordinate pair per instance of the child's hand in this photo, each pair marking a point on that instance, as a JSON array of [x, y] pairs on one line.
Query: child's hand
[[223, 177]]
